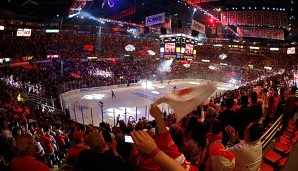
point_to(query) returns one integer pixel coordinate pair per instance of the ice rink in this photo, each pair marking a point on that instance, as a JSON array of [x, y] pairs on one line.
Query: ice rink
[[131, 102]]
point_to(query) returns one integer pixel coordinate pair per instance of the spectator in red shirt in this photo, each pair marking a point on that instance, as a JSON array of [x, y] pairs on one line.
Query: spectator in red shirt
[[60, 138], [26, 160], [74, 151]]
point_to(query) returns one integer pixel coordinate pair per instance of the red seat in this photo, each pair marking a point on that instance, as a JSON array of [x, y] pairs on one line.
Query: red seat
[[272, 157], [266, 167], [291, 129], [294, 140], [292, 122], [282, 148], [287, 134], [282, 162], [285, 140]]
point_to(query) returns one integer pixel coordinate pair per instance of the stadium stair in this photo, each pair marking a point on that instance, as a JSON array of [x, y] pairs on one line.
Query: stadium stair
[[277, 157]]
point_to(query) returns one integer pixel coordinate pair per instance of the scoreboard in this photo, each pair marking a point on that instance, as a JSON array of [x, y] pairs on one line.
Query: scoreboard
[[178, 46]]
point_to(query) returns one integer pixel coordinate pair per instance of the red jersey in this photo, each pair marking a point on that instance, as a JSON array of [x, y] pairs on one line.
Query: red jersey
[[27, 163]]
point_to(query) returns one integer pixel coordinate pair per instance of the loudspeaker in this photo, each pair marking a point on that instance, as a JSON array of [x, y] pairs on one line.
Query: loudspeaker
[[163, 30], [179, 23], [146, 29], [194, 33]]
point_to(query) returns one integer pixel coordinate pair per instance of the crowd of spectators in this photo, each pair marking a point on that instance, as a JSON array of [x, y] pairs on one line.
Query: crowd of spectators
[[204, 137]]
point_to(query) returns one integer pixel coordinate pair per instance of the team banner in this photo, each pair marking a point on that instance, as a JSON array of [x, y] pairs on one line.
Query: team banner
[[232, 18], [283, 19], [267, 33], [258, 18], [240, 18], [155, 19], [267, 18], [275, 18], [198, 27], [249, 17], [224, 18]]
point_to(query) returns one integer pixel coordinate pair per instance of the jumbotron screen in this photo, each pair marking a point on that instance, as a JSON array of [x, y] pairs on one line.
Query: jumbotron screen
[[180, 46]]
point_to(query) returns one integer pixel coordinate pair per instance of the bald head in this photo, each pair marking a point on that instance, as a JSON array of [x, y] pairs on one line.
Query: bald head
[[25, 145], [96, 142]]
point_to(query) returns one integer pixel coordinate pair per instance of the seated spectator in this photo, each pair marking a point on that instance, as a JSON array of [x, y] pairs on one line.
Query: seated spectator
[[25, 161], [97, 158], [74, 151]]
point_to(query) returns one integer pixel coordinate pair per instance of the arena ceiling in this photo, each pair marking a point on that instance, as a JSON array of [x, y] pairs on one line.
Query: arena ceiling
[[110, 8], [45, 10]]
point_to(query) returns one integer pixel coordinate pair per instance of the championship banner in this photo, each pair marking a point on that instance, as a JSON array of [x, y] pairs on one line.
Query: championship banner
[[267, 18], [251, 31], [258, 18], [258, 32], [263, 33], [246, 32], [281, 35], [267, 33], [283, 19], [224, 18], [232, 18], [275, 18], [155, 19], [274, 34], [198, 27], [240, 31], [240, 18], [249, 17]]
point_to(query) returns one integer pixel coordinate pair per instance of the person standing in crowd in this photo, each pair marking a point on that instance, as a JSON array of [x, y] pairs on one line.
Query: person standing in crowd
[[25, 161], [74, 151], [97, 158], [227, 117], [248, 152], [256, 109], [290, 108], [197, 144]]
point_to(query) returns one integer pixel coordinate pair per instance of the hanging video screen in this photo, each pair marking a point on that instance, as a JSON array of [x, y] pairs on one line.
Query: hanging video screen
[[178, 46]]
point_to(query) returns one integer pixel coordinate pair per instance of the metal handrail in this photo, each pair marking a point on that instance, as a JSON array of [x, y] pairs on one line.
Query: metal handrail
[[269, 134]]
